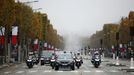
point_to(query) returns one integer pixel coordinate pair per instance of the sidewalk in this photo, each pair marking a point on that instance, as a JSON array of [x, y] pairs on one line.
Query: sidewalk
[[6, 65]]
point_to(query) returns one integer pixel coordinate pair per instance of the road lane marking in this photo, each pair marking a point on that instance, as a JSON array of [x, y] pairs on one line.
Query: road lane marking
[[47, 71], [33, 71], [7, 72], [99, 71], [86, 71], [20, 72], [114, 71], [73, 71], [59, 71], [132, 72]]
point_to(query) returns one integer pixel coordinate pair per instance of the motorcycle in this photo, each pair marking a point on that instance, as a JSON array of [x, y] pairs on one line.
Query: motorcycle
[[52, 62], [29, 63], [78, 62], [96, 61], [35, 60]]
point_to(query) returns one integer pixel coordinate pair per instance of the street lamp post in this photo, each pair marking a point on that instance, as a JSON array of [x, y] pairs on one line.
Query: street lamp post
[[131, 45], [102, 52], [117, 48]]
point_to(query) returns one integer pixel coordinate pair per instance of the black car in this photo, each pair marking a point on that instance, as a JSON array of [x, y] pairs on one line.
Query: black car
[[46, 57], [65, 60]]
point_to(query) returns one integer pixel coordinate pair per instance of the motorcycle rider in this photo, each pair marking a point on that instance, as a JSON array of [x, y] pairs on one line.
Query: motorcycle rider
[[53, 56], [79, 57], [96, 54]]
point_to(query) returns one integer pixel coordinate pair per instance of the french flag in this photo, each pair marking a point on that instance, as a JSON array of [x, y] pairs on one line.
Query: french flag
[[2, 35], [49, 47], [14, 34], [36, 44], [45, 45]]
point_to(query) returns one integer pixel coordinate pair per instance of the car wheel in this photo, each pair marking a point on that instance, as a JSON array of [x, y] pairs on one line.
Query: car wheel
[[52, 67], [73, 67], [57, 68], [30, 66], [96, 66], [78, 67], [42, 64]]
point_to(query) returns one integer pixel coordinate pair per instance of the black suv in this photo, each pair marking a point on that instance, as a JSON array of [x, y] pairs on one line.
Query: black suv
[[46, 57], [64, 60]]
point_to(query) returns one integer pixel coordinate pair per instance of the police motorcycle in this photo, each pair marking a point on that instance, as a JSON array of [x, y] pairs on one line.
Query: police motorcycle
[[52, 61], [30, 62], [96, 60], [35, 60], [78, 61]]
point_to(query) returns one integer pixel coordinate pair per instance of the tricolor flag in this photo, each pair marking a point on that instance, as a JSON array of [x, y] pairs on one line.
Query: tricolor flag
[[45, 45], [121, 48], [113, 48], [2, 35], [49, 47], [52, 48], [35, 44], [14, 34]]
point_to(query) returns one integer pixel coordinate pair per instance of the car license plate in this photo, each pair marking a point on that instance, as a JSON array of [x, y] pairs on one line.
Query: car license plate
[[64, 64]]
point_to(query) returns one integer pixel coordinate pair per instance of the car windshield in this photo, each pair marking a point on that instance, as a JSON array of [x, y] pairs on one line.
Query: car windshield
[[64, 56], [46, 54]]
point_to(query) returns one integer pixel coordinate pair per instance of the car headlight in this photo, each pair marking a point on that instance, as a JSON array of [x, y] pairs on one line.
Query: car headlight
[[41, 58], [77, 59], [97, 59], [52, 60], [29, 60]]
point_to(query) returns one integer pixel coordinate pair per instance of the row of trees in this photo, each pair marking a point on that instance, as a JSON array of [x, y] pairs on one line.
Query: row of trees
[[109, 34], [31, 25]]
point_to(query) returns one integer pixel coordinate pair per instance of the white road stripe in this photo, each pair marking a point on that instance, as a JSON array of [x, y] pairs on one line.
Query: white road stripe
[[47, 71], [7, 72], [132, 72], [73, 71], [59, 71], [86, 71], [114, 71], [33, 71], [99, 71], [20, 72]]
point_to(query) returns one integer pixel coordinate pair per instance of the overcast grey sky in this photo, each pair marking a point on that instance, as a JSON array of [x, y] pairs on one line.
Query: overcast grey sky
[[83, 17]]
